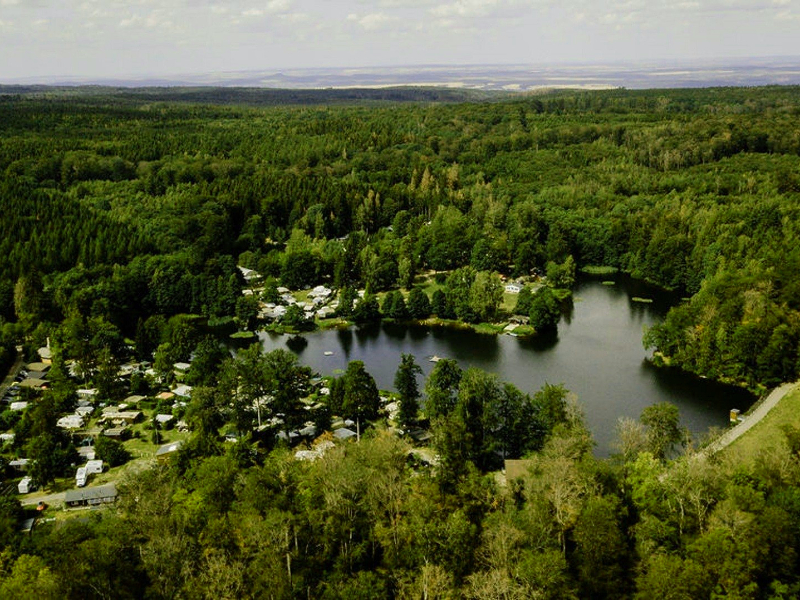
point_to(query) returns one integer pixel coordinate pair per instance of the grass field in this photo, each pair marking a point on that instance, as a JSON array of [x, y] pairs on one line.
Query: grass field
[[767, 434]]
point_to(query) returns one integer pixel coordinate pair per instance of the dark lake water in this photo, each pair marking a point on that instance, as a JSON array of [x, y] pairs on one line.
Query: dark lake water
[[597, 354]]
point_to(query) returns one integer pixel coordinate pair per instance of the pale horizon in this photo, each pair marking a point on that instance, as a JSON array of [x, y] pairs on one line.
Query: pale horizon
[[110, 39]]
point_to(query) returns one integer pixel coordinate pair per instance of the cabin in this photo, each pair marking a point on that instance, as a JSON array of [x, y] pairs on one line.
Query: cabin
[[166, 451], [249, 274], [184, 391], [163, 419], [45, 355], [115, 432], [126, 416], [33, 383], [87, 452], [93, 496], [344, 434], [70, 422], [19, 464]]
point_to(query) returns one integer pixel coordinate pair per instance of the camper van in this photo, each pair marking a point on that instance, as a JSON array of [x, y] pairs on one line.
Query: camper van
[[80, 477], [25, 486], [94, 467]]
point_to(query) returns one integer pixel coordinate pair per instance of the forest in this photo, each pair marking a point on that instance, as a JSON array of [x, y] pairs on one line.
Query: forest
[[126, 217]]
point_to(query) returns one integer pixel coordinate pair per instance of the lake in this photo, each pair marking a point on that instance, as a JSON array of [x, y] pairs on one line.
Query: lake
[[597, 354]]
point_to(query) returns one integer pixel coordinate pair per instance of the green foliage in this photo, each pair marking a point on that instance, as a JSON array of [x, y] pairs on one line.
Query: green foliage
[[441, 388], [367, 310], [561, 276], [524, 302], [419, 306], [663, 431], [360, 399], [545, 312], [130, 210], [405, 382], [111, 452]]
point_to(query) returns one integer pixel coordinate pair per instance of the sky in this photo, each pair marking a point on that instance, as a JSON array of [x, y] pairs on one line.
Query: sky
[[120, 38]]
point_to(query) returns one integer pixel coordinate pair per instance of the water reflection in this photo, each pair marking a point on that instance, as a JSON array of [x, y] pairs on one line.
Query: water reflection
[[597, 353], [539, 343], [297, 343], [345, 339]]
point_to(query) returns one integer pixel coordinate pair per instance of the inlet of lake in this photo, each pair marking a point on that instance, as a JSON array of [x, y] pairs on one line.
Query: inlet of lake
[[597, 354]]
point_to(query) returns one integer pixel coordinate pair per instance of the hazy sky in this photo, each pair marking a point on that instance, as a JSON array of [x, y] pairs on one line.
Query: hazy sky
[[114, 38]]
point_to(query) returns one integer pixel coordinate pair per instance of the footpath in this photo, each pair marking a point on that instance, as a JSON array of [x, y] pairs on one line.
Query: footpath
[[12, 373], [750, 420]]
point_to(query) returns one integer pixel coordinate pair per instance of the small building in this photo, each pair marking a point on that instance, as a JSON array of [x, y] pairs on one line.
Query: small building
[[134, 400], [165, 396], [344, 434], [93, 496], [126, 416], [184, 391], [320, 292], [26, 485], [86, 394], [94, 467], [18, 405], [167, 450], [182, 367], [84, 411], [87, 452], [115, 432], [33, 383], [6, 437], [513, 288], [45, 354], [19, 464], [38, 367], [249, 274], [70, 422], [325, 312], [163, 419]]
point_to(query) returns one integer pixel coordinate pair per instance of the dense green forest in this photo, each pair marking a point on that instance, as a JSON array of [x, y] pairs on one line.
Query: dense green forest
[[123, 208], [126, 213]]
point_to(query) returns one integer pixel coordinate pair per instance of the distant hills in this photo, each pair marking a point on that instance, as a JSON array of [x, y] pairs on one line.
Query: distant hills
[[487, 78]]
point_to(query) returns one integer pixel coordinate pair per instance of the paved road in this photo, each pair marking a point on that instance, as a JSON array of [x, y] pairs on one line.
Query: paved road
[[50, 499], [759, 413]]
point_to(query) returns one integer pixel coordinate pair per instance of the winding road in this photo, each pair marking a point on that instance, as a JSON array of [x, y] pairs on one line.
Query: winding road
[[743, 427]]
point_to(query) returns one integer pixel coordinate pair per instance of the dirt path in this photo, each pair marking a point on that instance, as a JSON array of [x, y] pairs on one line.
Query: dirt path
[[12, 373], [759, 413]]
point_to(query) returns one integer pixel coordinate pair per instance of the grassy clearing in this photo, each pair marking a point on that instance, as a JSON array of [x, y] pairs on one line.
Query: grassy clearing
[[599, 270], [509, 302], [490, 328], [766, 435]]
